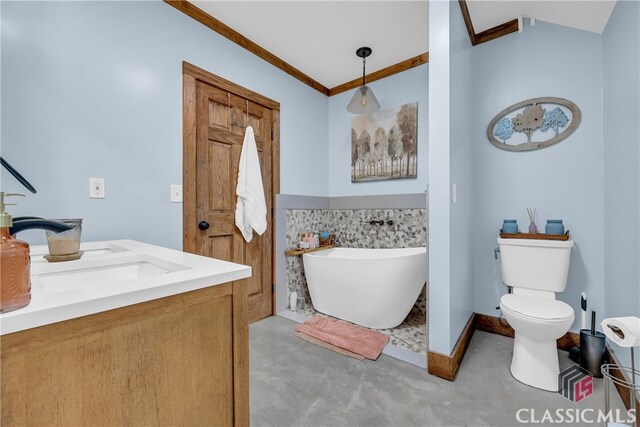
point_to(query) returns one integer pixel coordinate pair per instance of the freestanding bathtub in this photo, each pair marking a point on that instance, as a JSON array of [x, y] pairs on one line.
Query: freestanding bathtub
[[375, 288]]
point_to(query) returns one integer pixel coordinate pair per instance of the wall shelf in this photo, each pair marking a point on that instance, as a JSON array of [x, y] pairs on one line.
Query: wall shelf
[[296, 252], [537, 236]]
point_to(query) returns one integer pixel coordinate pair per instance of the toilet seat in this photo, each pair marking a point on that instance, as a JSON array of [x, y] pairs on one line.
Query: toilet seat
[[536, 308]]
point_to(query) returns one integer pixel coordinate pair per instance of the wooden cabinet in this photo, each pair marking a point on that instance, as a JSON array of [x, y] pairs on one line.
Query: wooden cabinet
[[179, 360]]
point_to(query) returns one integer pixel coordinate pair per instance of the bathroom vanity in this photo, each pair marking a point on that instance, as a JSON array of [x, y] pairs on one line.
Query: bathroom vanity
[[130, 334]]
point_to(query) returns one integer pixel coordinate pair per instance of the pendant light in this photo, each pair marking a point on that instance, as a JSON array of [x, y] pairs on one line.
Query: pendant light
[[363, 101]]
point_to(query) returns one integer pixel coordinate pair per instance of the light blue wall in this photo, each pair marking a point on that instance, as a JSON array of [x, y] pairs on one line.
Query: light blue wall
[[450, 161], [621, 91], [562, 181], [94, 89], [462, 165], [409, 86], [439, 179]]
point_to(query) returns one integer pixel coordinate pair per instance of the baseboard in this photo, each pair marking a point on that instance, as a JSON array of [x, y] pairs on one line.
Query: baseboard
[[494, 325], [500, 326], [446, 366]]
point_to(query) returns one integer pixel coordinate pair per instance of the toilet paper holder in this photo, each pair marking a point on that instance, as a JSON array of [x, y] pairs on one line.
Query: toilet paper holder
[[619, 332]]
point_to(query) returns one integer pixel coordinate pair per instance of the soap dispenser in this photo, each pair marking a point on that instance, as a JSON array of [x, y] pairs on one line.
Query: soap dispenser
[[15, 285]]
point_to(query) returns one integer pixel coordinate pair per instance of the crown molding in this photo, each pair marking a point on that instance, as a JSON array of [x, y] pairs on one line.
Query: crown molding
[[224, 30], [486, 35], [380, 74]]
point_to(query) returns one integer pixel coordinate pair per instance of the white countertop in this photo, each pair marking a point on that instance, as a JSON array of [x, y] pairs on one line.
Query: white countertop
[[110, 275]]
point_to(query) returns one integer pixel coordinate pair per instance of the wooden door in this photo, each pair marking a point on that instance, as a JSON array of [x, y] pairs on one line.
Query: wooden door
[[217, 113]]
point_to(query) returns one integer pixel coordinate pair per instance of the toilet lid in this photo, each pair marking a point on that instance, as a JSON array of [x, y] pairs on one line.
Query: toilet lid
[[539, 308]]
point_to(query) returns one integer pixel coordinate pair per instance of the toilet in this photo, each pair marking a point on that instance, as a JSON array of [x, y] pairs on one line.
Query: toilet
[[536, 270]]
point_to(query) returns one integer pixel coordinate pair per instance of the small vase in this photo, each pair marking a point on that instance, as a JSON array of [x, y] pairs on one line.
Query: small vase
[[554, 226], [533, 228], [509, 226]]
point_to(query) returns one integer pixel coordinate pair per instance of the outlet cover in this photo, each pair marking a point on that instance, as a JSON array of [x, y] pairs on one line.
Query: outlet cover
[[176, 193], [97, 188]]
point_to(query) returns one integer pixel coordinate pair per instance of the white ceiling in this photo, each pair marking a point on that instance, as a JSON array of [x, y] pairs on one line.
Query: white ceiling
[[588, 15], [320, 38]]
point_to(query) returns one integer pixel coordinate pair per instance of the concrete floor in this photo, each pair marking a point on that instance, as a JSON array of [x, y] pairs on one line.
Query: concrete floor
[[296, 383]]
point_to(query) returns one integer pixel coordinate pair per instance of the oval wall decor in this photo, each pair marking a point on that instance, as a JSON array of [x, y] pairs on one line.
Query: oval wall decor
[[534, 123]]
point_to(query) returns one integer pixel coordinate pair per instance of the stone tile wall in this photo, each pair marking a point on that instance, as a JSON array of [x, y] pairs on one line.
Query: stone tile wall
[[353, 230], [299, 222]]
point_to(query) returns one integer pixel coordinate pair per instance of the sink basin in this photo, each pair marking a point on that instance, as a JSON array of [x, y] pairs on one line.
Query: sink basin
[[99, 273], [111, 249], [37, 254], [110, 275]]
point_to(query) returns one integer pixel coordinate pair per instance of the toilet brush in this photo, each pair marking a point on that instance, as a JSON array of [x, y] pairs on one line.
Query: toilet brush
[[574, 353], [592, 348], [583, 306]]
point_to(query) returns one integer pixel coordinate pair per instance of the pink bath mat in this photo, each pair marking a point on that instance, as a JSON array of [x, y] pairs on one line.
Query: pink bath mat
[[355, 339], [326, 345]]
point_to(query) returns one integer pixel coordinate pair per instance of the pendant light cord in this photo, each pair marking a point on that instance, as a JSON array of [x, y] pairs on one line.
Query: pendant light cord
[[364, 61]]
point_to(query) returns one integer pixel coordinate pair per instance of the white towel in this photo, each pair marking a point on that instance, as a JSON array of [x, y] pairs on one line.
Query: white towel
[[630, 326], [251, 208]]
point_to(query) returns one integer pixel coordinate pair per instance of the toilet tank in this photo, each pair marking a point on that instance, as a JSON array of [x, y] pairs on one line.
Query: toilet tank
[[535, 264]]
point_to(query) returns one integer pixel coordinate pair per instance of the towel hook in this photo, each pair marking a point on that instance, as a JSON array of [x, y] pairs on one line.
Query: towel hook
[[246, 116], [229, 110]]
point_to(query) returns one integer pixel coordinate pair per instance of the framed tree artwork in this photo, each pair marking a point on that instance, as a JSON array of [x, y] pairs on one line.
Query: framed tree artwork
[[384, 144]]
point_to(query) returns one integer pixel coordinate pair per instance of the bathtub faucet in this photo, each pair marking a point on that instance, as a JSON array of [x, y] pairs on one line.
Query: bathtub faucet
[[376, 222]]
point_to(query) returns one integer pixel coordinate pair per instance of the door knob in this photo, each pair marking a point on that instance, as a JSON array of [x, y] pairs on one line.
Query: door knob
[[203, 225]]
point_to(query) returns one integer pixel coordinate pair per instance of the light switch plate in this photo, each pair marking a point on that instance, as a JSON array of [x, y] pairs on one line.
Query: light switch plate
[[454, 193], [97, 188], [176, 193]]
